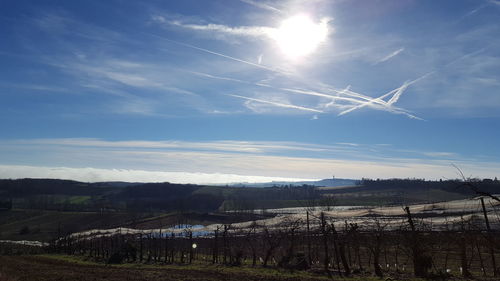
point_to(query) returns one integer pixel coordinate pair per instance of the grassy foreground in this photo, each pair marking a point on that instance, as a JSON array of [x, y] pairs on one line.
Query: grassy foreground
[[52, 267]]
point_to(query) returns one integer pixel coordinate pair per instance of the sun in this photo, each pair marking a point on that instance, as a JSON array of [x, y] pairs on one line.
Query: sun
[[299, 36]]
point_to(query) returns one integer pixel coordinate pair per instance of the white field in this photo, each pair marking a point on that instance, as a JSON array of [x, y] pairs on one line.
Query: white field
[[450, 215]]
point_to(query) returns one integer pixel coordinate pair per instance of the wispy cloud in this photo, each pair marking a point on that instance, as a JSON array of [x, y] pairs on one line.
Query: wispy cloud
[[352, 100], [472, 12], [130, 78], [494, 2], [390, 56], [61, 25], [87, 174], [129, 73], [42, 88], [227, 146], [253, 31], [441, 154], [178, 161], [139, 87], [343, 149], [134, 106], [215, 30]]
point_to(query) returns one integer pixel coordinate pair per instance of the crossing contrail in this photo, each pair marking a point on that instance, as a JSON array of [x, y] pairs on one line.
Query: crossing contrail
[[278, 104]]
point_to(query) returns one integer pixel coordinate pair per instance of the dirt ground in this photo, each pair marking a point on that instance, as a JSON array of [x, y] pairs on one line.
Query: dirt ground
[[57, 268], [21, 268]]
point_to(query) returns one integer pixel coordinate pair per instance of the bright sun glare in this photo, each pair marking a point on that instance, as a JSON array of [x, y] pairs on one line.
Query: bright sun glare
[[299, 36]]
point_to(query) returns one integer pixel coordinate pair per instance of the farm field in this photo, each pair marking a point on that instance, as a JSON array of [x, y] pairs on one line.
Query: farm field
[[444, 238], [44, 225], [297, 239]]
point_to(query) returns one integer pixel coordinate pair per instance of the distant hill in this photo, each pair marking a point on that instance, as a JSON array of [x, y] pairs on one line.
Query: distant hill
[[51, 206], [334, 182], [66, 195], [325, 182], [29, 187]]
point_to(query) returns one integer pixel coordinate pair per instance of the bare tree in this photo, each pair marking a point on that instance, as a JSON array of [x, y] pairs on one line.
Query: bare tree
[[271, 240], [421, 262]]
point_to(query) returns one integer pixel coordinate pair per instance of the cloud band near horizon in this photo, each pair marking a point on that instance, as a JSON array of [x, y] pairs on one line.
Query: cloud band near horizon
[[225, 161]]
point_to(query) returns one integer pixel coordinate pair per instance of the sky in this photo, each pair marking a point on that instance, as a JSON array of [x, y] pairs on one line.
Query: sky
[[249, 91]]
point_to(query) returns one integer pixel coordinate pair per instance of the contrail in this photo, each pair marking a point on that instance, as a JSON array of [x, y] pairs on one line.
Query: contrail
[[377, 103], [383, 104], [278, 104], [389, 56], [467, 55], [369, 99], [348, 92], [262, 6], [352, 97], [202, 74], [399, 91], [396, 94], [296, 91], [317, 94], [219, 54]]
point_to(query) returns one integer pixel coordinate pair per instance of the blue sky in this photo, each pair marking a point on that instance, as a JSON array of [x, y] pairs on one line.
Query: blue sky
[[219, 91]]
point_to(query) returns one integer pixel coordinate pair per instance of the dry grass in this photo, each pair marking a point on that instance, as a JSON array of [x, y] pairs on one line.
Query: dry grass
[[4, 277], [45, 268]]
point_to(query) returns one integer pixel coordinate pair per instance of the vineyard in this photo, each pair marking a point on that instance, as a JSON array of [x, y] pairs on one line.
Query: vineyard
[[393, 241]]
